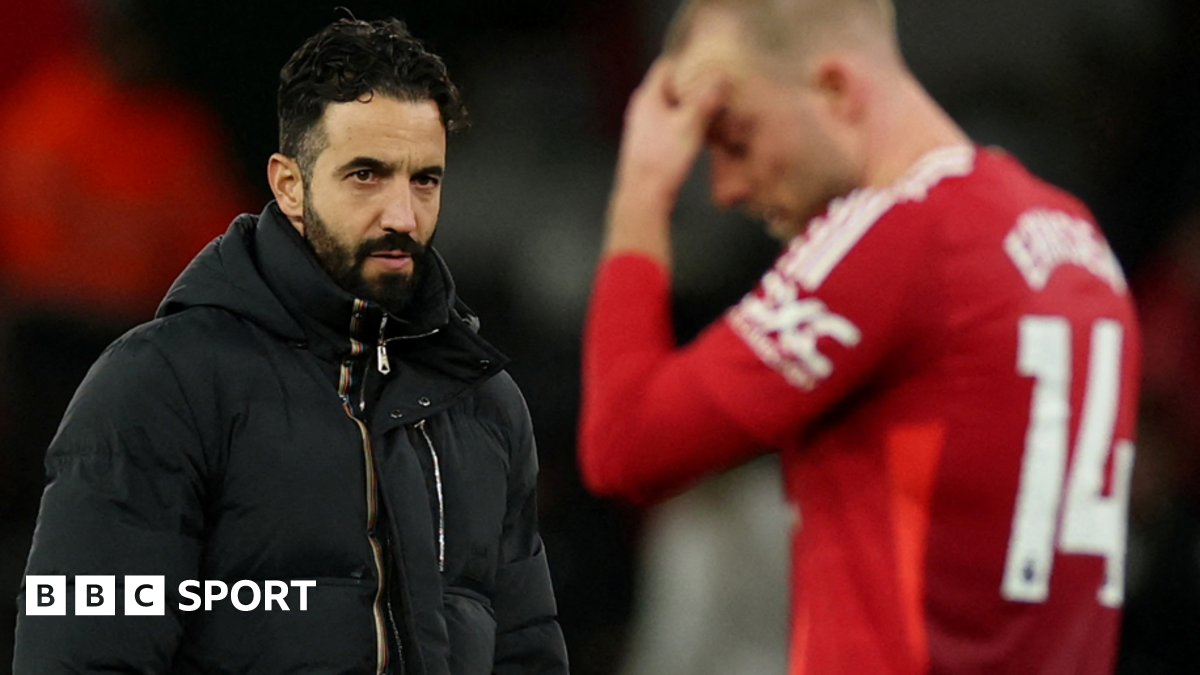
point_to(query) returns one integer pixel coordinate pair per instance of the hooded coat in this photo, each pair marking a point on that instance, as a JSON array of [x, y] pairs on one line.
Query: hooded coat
[[267, 426]]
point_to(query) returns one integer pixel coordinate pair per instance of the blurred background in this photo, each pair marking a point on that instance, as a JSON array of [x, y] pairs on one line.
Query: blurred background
[[133, 131]]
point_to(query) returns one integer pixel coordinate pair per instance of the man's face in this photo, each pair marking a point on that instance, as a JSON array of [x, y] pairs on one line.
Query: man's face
[[371, 205], [773, 149]]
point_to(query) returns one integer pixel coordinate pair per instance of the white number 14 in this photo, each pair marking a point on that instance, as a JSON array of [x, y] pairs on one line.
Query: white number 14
[[1091, 523]]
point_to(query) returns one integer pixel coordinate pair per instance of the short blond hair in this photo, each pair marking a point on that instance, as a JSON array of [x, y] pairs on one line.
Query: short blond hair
[[798, 26]]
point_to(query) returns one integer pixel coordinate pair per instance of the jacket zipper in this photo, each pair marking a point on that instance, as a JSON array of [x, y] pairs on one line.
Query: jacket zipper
[[396, 634], [346, 376], [382, 362], [437, 479], [382, 601]]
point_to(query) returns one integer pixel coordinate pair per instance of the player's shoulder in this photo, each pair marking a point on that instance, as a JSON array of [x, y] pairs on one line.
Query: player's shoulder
[[954, 204], [1042, 227], [875, 224], [999, 213], [995, 193], [1003, 185]]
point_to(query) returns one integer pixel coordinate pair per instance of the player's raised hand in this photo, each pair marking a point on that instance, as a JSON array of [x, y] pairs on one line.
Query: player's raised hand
[[665, 126]]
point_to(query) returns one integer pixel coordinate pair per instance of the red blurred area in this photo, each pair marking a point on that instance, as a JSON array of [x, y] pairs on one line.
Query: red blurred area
[[110, 185], [112, 178], [1168, 294], [108, 190], [32, 30]]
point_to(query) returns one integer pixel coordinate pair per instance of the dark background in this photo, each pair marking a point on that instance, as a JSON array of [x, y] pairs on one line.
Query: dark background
[[1100, 97]]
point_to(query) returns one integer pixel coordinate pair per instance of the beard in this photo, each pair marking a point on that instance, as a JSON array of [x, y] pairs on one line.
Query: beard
[[393, 291]]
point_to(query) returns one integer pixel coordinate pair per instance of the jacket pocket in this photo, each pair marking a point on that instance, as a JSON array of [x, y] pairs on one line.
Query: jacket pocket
[[472, 631]]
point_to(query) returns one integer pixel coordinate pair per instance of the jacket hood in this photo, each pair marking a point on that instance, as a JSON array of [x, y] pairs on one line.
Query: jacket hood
[[261, 269]]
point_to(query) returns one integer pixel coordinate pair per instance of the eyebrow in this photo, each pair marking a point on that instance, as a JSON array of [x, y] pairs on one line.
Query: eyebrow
[[371, 163], [386, 168], [433, 170]]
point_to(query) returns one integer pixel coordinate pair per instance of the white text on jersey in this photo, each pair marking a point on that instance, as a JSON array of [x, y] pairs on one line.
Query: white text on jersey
[[1042, 240]]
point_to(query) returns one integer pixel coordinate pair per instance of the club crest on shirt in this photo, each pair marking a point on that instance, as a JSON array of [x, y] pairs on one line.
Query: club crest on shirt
[[784, 329]]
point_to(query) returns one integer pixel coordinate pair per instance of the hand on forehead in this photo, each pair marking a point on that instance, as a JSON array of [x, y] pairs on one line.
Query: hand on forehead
[[684, 85], [713, 54]]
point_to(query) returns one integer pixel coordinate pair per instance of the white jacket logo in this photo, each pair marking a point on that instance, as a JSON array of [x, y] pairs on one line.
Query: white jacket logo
[[783, 330]]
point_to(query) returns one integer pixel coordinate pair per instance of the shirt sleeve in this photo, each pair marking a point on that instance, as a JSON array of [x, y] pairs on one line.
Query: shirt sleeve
[[657, 417]]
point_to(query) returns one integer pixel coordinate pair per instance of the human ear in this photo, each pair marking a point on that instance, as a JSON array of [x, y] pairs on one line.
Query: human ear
[[287, 184], [842, 89]]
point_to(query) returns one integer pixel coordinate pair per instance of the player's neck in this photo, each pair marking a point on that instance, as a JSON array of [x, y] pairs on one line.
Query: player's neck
[[910, 124]]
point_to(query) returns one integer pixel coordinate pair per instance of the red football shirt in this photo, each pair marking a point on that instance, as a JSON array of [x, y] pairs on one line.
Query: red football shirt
[[949, 367]]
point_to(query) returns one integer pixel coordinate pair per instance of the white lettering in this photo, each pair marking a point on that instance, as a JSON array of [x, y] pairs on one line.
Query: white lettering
[[1044, 240], [233, 595], [214, 590], [145, 595], [784, 329], [275, 591], [194, 597], [304, 585]]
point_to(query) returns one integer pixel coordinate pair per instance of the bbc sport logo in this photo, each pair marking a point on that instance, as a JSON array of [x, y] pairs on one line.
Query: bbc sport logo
[[145, 595]]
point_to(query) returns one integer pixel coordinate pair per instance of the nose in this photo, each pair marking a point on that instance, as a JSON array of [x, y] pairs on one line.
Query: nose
[[728, 181], [398, 213]]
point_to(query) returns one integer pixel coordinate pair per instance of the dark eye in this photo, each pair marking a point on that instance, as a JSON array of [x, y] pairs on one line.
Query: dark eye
[[729, 136], [426, 180], [734, 149], [363, 175]]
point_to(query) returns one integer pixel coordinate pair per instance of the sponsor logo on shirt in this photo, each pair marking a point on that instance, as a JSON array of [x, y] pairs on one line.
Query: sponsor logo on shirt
[[1043, 240], [784, 330]]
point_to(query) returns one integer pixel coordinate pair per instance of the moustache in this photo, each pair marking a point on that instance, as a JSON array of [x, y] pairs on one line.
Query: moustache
[[392, 241]]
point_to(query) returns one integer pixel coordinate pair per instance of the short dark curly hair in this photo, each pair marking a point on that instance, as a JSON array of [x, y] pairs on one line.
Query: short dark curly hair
[[349, 60]]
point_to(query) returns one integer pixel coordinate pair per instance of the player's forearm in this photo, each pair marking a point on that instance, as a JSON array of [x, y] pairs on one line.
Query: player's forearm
[[664, 131], [628, 331], [648, 428], [638, 221], [637, 437]]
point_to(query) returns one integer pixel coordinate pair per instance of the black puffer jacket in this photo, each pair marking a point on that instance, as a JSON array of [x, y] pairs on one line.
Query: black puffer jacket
[[250, 432]]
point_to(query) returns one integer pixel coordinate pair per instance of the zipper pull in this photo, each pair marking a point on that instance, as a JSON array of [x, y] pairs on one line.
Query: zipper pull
[[385, 366]]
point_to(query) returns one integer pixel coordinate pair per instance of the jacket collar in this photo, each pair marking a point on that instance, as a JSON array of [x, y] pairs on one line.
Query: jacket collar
[[333, 318], [262, 270]]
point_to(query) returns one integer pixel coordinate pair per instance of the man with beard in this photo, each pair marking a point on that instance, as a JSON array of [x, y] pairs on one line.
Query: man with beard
[[945, 354], [312, 408]]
